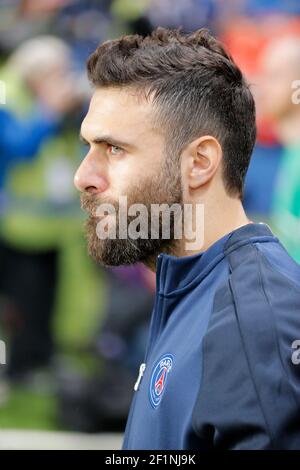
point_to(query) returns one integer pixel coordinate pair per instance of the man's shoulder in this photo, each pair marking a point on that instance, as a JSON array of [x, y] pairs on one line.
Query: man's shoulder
[[264, 276], [275, 263], [262, 292], [250, 382]]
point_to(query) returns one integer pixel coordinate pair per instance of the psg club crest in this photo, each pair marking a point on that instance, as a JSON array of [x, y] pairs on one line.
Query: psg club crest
[[159, 378]]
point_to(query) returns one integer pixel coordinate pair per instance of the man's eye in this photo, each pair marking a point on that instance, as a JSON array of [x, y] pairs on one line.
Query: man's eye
[[114, 149]]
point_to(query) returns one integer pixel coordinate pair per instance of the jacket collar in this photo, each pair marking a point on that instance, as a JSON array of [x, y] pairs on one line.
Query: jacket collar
[[175, 275]]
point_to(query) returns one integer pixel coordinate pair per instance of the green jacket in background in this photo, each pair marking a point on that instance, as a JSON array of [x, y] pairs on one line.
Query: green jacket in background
[[43, 213], [286, 207]]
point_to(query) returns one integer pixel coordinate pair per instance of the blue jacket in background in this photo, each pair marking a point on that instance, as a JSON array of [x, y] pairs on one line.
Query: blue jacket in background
[[22, 140], [221, 368]]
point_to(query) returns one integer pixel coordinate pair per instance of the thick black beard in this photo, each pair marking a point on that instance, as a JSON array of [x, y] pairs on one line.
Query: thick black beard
[[116, 251]]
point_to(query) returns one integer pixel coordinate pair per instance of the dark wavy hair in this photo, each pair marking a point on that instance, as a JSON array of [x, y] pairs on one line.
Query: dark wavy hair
[[196, 88]]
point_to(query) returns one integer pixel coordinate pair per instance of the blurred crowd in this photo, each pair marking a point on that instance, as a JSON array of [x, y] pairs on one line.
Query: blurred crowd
[[76, 331]]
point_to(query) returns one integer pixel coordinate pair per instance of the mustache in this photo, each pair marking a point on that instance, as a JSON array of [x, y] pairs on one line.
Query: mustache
[[90, 202]]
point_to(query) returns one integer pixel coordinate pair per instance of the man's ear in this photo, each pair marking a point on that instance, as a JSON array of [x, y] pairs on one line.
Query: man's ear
[[200, 161]]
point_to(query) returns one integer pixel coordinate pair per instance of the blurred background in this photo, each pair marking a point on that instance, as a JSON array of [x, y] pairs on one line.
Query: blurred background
[[75, 333]]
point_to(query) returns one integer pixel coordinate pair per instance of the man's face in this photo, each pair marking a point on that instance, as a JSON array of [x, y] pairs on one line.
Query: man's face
[[126, 158]]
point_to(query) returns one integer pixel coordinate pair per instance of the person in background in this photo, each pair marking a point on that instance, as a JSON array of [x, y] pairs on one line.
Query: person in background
[[38, 209], [278, 100], [247, 40], [21, 140]]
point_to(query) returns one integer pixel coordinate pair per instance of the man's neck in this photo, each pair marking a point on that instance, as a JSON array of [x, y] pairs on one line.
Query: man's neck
[[225, 219], [216, 224]]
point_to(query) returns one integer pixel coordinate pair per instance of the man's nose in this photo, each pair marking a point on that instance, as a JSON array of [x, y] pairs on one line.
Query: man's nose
[[89, 177]]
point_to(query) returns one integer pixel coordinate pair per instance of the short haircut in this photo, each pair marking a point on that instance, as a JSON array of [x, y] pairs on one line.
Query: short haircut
[[196, 87]]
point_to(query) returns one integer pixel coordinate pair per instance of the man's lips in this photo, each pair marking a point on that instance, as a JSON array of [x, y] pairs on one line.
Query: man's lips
[[89, 209]]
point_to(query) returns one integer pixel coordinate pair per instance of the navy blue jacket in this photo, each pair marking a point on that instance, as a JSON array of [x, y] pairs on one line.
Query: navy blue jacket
[[222, 366]]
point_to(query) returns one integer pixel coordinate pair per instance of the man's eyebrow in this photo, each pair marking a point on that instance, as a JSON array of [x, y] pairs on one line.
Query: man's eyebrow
[[107, 139]]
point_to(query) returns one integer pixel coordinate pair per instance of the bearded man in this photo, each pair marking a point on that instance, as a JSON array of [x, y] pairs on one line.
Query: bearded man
[[172, 123]]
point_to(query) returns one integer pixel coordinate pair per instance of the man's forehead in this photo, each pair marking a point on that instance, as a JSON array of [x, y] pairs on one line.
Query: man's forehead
[[119, 108]]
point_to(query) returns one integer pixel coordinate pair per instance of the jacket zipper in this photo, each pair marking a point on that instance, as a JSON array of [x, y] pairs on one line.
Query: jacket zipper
[[140, 376], [152, 336]]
